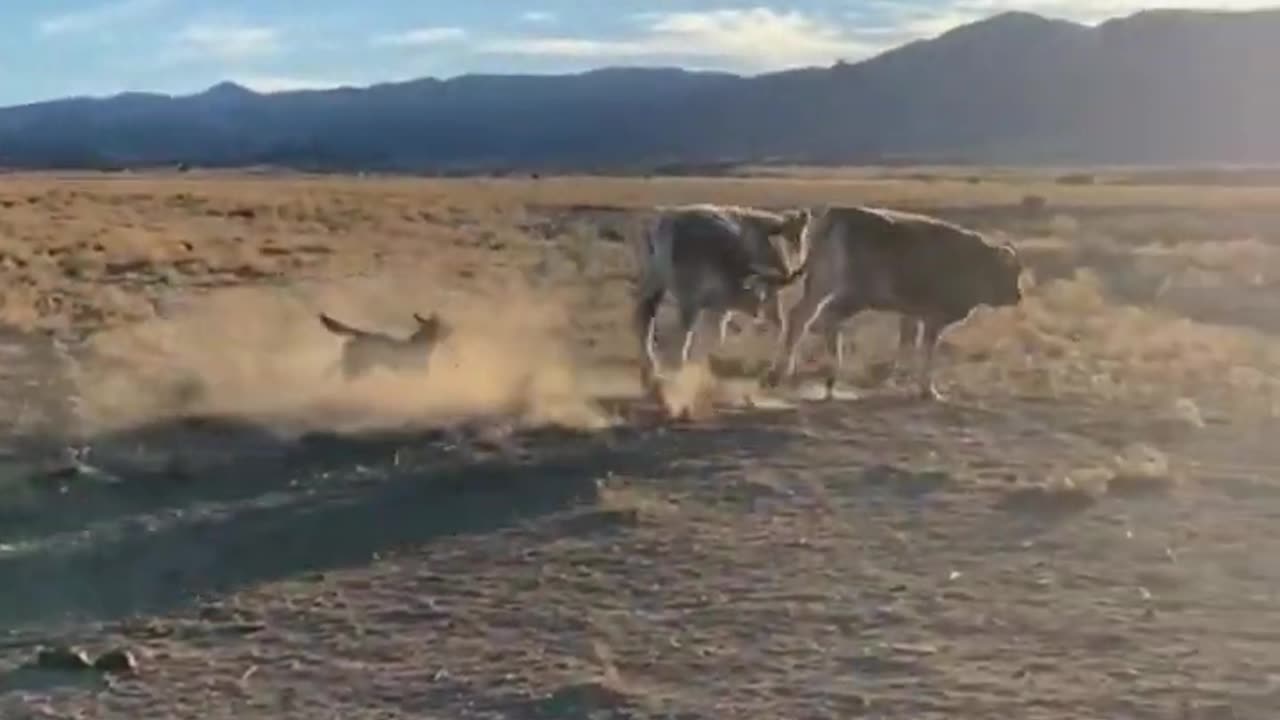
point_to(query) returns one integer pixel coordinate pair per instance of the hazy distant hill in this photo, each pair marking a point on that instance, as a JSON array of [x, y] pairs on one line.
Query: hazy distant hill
[[1156, 87]]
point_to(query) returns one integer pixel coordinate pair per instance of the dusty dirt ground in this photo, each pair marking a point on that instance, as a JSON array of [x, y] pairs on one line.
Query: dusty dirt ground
[[1085, 528]]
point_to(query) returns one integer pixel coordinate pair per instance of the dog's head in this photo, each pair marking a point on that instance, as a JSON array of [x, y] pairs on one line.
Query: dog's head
[[431, 329]]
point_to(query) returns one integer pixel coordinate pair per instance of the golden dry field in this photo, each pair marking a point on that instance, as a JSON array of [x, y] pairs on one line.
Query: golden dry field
[[1087, 526]]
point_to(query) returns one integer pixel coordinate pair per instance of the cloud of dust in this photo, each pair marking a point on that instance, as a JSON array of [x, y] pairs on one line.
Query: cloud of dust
[[689, 392], [694, 391], [261, 354]]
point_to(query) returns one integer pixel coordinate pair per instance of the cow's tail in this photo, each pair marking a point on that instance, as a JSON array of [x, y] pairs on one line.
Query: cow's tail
[[646, 309], [654, 253], [642, 241]]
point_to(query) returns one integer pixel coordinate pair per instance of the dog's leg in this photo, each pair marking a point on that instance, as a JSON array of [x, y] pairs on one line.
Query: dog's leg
[[333, 370], [354, 365]]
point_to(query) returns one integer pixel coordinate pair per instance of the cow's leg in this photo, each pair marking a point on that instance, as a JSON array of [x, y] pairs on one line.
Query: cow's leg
[[933, 328], [771, 309], [689, 313], [721, 319], [802, 316], [835, 356], [833, 314], [722, 325], [645, 319], [775, 315], [909, 328]]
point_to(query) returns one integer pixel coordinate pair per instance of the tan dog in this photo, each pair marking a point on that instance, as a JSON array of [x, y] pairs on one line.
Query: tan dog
[[364, 350]]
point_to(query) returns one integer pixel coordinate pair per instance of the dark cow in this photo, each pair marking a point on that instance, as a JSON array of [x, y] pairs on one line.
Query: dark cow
[[715, 258], [933, 272]]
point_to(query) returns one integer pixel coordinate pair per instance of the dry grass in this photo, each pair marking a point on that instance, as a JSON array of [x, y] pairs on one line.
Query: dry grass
[[1143, 305]]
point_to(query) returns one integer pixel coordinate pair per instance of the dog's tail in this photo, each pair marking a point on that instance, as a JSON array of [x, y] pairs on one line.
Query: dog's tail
[[339, 328]]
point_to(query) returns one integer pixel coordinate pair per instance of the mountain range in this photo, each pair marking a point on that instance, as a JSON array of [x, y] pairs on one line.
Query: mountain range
[[1164, 87]]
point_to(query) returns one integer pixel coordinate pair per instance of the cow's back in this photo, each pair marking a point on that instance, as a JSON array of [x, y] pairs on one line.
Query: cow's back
[[913, 261], [705, 241]]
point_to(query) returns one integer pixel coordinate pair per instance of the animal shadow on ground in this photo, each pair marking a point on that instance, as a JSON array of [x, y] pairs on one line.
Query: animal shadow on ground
[[905, 483], [330, 502], [34, 680], [185, 461], [149, 468], [1029, 512]]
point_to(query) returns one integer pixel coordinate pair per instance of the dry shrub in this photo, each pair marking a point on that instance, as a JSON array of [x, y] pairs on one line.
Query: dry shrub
[[1077, 179], [626, 499], [1215, 277], [1141, 469], [1067, 338], [1063, 225], [1137, 470], [261, 353], [1177, 419], [1061, 493], [1187, 412], [1141, 257], [1241, 258]]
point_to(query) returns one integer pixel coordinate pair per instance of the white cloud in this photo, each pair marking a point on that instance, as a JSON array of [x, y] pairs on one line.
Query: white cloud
[[538, 17], [763, 38], [906, 20], [97, 18], [228, 42], [1092, 11], [758, 38], [421, 37], [567, 47], [284, 83]]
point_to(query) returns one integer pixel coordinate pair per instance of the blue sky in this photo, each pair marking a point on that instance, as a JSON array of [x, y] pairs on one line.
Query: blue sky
[[55, 48]]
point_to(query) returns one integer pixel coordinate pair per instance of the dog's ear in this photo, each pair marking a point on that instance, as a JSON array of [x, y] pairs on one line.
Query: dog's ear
[[431, 323]]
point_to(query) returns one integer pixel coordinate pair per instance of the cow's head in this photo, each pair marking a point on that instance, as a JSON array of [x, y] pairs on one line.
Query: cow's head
[[780, 267], [792, 229], [1006, 279]]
